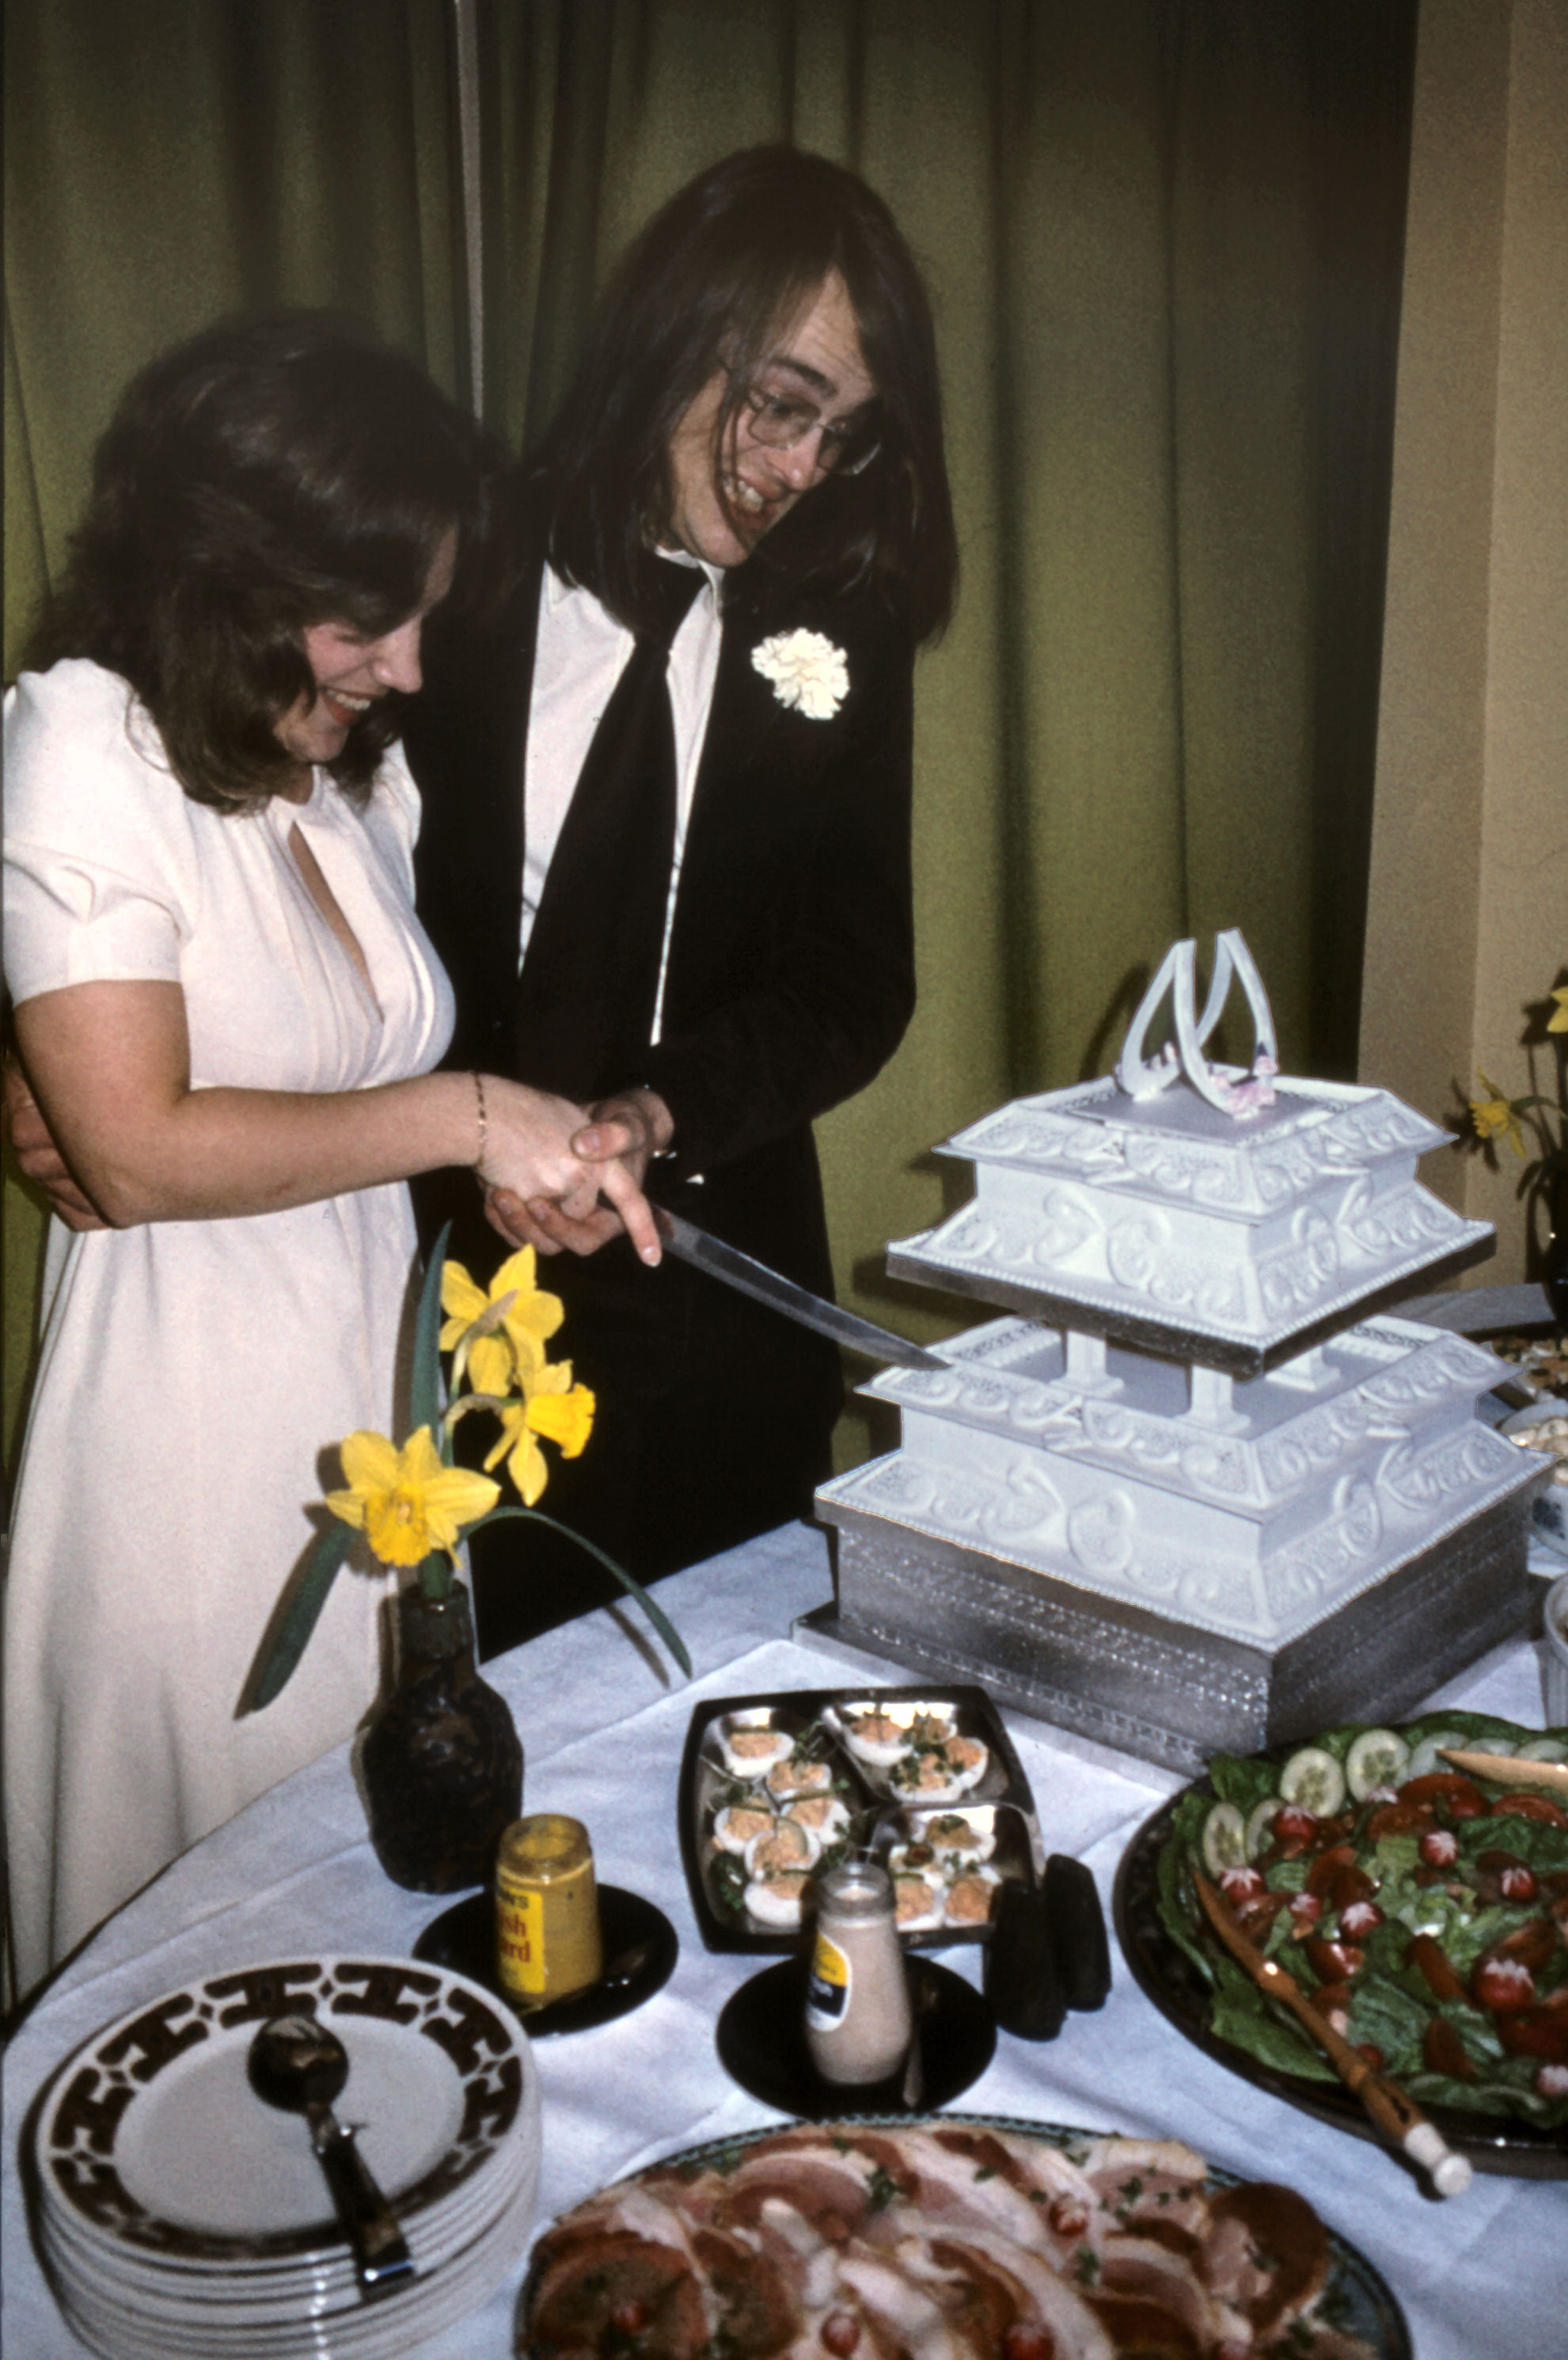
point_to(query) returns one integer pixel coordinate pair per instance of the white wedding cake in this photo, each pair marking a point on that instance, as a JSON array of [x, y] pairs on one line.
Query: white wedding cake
[[1205, 1490]]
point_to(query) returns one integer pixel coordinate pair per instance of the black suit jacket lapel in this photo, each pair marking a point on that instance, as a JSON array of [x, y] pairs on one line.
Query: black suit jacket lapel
[[466, 741]]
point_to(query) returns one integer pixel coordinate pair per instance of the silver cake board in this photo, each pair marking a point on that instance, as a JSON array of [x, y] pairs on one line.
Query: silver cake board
[[1145, 1683]]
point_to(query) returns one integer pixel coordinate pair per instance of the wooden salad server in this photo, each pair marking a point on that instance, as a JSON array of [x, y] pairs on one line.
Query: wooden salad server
[[1507, 1770], [1397, 2117]]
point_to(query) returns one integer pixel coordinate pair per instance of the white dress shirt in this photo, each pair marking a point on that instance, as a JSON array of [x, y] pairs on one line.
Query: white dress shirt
[[579, 654]]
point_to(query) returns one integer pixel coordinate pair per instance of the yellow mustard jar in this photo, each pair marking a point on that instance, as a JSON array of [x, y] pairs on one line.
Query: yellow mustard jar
[[547, 1910]]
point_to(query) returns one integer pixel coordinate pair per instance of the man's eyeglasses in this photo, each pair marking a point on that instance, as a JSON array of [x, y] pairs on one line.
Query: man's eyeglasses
[[783, 421]]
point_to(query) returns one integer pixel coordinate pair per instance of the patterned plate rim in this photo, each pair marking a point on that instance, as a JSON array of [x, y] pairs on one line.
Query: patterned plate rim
[[1381, 2320], [88, 2097]]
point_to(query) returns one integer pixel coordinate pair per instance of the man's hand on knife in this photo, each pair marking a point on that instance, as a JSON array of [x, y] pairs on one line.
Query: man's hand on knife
[[623, 1133]]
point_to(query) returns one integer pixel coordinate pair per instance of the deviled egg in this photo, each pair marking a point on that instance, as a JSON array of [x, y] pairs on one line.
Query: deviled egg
[[824, 1815], [736, 1827], [940, 1773], [751, 1748], [971, 1896], [918, 1903], [960, 1835], [781, 1849], [876, 1737], [803, 1776], [778, 1900]]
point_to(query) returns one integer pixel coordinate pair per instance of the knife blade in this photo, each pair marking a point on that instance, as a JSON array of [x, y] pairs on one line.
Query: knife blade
[[1397, 2116], [739, 1270]]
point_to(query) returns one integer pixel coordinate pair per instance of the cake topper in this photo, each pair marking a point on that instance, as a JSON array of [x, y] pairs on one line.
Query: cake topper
[[1236, 1091]]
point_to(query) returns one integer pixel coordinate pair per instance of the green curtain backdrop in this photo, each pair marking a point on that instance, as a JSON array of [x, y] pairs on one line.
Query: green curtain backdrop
[[1164, 240], [168, 163]]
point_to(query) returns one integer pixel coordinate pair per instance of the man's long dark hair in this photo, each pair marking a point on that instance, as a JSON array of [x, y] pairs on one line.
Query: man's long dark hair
[[269, 474], [729, 261]]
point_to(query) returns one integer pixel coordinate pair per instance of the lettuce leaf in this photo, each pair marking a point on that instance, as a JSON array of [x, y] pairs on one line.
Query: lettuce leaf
[[1391, 2003]]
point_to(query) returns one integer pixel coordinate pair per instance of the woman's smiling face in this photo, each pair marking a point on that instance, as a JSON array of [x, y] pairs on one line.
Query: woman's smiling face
[[350, 672], [819, 362]]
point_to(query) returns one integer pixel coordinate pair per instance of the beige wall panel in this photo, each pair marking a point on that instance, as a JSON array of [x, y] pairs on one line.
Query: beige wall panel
[[1468, 904], [1523, 931]]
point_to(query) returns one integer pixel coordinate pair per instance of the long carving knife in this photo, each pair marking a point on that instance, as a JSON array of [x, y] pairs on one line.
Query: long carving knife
[[754, 1278], [1396, 2114]]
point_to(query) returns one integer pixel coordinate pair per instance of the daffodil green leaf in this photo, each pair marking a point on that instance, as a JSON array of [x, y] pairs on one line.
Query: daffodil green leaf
[[656, 1614], [425, 1384], [298, 1614]]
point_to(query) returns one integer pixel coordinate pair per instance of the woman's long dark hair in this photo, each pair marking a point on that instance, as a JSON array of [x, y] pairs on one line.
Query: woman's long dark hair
[[269, 474], [710, 281]]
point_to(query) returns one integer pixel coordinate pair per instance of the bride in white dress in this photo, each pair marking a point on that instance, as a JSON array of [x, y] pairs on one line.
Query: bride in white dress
[[229, 1017]]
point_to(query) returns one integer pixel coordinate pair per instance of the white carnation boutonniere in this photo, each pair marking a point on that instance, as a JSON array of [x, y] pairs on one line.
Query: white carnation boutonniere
[[808, 673]]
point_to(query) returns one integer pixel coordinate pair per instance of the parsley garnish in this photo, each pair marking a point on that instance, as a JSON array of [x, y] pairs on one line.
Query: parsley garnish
[[882, 2187]]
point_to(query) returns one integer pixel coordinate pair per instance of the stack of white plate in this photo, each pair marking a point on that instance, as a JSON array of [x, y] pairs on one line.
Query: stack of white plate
[[179, 2214]]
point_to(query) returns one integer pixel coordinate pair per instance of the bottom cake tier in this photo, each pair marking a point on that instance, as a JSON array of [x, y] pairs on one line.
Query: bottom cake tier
[[1149, 1683]]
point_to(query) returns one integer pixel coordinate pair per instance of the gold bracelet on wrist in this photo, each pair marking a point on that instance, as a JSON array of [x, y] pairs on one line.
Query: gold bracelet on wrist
[[484, 1124]]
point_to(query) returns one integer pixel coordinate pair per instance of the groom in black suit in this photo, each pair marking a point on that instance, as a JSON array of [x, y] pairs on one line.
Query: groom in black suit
[[711, 901]]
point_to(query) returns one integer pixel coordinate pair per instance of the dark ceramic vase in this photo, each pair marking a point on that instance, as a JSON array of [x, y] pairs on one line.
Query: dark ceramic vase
[[442, 1763], [1554, 1263]]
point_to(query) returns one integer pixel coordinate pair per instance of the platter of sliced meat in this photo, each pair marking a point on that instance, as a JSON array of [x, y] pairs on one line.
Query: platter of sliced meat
[[985, 2240]]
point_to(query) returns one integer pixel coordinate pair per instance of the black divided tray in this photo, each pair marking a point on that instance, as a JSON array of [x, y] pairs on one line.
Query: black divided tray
[[1000, 1807]]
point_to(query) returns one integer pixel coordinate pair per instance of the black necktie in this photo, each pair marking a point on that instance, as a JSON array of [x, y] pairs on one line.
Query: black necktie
[[586, 994]]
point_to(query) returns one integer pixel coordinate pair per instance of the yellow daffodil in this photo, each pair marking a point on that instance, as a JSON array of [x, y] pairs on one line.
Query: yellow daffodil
[[551, 1406], [500, 1335], [405, 1502], [1494, 1118], [1557, 1020]]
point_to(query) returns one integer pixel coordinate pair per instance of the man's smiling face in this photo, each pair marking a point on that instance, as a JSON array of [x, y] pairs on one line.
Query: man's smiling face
[[819, 363]]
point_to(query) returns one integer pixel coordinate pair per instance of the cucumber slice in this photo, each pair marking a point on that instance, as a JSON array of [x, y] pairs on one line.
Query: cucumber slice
[[1543, 1749], [1260, 1824], [1426, 1756], [1314, 1780], [1224, 1843], [1377, 1758]]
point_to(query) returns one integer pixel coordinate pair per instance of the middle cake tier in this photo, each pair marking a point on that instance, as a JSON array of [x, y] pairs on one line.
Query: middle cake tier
[[1245, 1509]]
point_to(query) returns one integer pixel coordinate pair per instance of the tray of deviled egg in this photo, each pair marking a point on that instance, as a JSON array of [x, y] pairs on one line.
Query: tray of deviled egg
[[773, 1789]]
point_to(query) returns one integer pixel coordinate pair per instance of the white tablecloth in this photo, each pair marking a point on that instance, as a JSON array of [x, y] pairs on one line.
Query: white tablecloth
[[603, 1719]]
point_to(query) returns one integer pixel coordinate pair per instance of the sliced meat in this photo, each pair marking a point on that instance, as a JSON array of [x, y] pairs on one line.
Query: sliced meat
[[1267, 2254], [587, 2297]]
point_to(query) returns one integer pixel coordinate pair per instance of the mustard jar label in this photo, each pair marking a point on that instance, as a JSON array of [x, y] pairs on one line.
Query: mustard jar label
[[520, 1943]]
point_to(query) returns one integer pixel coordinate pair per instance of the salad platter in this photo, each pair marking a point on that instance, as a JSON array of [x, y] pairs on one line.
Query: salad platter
[[775, 1788], [1422, 1906]]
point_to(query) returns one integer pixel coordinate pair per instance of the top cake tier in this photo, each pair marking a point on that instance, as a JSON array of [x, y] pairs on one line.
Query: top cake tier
[[1165, 1224]]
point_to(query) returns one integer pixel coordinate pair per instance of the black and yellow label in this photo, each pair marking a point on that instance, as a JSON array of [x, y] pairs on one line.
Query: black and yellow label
[[827, 1992], [519, 1940]]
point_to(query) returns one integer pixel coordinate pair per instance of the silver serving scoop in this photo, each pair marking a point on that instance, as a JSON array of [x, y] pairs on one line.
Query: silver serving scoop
[[300, 2065]]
